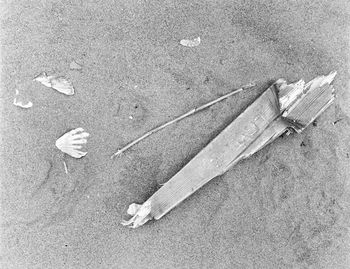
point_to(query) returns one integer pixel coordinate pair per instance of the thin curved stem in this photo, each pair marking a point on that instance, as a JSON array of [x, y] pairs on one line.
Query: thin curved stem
[[191, 112]]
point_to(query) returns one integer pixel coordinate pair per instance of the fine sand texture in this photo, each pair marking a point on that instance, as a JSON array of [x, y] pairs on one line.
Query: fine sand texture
[[287, 206]]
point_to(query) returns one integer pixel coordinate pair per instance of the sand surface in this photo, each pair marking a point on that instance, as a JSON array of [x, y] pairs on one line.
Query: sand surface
[[285, 207]]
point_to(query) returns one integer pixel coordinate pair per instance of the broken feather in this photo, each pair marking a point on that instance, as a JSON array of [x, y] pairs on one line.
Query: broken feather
[[281, 108]]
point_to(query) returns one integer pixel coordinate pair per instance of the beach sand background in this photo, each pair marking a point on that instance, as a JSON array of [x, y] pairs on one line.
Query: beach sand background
[[285, 207]]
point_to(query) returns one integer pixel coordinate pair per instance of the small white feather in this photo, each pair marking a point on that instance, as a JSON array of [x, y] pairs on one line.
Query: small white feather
[[191, 42]]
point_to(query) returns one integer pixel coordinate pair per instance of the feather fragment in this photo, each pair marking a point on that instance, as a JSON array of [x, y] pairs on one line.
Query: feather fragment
[[191, 42], [22, 104], [60, 84], [17, 101]]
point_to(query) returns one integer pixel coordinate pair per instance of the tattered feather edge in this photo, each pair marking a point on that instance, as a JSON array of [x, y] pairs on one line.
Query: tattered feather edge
[[309, 89]]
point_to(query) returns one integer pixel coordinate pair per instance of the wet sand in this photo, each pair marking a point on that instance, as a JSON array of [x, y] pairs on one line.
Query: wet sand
[[285, 207]]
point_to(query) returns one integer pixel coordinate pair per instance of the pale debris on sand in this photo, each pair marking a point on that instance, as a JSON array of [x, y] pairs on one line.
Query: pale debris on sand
[[60, 84], [20, 103], [140, 213], [72, 141], [75, 66], [281, 108], [191, 42]]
